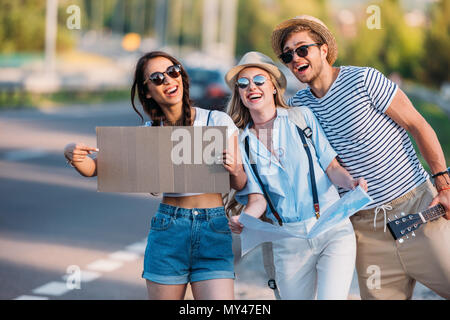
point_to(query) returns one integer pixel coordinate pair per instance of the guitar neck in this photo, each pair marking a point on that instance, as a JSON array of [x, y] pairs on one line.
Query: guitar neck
[[433, 212]]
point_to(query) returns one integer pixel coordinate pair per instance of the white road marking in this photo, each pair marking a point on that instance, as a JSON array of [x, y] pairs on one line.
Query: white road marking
[[124, 256], [104, 265], [25, 297], [138, 247], [116, 260], [53, 288]]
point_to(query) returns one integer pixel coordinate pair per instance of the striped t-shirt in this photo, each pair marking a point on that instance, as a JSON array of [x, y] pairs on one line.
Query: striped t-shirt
[[369, 144]]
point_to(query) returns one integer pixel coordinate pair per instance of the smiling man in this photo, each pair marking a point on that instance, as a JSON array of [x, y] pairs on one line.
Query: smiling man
[[366, 118]]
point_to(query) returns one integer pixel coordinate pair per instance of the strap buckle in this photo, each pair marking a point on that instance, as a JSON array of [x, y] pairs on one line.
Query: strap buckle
[[272, 284], [317, 210], [308, 132]]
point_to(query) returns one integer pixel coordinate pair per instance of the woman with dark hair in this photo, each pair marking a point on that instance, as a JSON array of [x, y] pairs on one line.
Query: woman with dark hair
[[189, 239]]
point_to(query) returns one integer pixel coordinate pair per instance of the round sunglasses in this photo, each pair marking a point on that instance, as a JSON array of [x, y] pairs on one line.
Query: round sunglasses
[[258, 80], [157, 78], [301, 51]]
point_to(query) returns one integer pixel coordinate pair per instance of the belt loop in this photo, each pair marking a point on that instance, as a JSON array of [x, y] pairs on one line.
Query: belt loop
[[175, 213]]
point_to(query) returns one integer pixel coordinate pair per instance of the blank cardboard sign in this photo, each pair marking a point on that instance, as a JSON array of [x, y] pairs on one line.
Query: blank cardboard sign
[[161, 159]]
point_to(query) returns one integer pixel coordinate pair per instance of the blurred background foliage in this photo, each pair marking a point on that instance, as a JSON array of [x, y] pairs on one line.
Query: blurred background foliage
[[416, 51], [22, 27], [257, 18], [396, 47], [436, 56]]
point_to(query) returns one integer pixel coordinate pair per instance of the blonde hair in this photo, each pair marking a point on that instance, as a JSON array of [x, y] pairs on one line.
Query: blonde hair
[[239, 112], [241, 117]]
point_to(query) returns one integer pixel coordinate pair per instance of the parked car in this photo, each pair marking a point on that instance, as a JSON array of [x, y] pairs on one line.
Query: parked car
[[208, 88]]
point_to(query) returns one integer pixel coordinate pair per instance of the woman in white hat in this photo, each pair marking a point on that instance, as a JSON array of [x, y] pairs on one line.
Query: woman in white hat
[[279, 180]]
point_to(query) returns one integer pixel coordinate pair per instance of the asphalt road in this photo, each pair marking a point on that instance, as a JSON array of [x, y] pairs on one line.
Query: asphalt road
[[52, 218], [55, 226]]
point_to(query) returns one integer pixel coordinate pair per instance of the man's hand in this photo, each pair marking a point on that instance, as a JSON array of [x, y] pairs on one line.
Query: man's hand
[[442, 183], [443, 198]]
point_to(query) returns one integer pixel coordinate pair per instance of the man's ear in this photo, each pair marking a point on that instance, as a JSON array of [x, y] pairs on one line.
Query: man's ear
[[324, 51], [147, 95]]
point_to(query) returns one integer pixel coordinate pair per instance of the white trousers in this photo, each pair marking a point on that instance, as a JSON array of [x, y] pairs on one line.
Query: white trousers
[[320, 268]]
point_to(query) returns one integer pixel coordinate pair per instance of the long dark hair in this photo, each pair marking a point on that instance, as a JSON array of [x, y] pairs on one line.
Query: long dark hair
[[150, 106]]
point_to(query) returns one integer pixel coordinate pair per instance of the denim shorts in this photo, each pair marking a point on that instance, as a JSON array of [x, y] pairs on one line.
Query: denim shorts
[[188, 245]]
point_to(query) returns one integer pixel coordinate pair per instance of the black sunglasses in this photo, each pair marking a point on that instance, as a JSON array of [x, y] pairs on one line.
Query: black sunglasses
[[301, 51], [157, 78], [258, 80]]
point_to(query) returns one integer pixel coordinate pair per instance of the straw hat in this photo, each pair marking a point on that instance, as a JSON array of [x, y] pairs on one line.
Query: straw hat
[[259, 60], [316, 25]]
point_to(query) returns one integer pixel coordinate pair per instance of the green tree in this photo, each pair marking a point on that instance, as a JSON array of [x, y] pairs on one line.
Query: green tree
[[23, 27], [257, 18], [396, 47], [436, 61]]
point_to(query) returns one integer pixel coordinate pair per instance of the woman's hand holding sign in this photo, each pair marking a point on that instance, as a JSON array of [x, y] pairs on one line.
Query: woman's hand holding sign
[[233, 164]]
